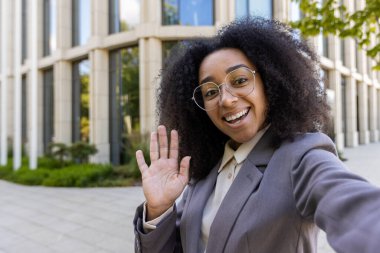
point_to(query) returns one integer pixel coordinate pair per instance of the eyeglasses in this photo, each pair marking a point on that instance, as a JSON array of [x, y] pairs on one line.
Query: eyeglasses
[[239, 83]]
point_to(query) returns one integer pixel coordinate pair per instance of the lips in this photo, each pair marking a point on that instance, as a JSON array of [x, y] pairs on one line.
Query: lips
[[233, 118]]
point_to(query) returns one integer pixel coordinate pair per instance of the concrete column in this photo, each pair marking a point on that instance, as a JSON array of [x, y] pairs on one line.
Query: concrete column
[[149, 65], [373, 111], [221, 13], [363, 113], [378, 110], [99, 105], [63, 75], [352, 134], [17, 87], [99, 80], [62, 102], [281, 9], [5, 16], [64, 34], [335, 81], [99, 19], [35, 8]]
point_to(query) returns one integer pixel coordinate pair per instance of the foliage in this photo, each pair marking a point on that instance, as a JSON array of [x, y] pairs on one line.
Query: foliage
[[78, 175], [331, 17], [81, 151], [63, 154], [74, 175], [59, 151]]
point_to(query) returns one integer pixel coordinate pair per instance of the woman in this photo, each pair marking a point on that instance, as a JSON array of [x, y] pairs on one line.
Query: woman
[[247, 107]]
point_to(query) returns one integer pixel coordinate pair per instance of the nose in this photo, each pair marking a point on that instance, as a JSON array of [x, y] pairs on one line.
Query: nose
[[226, 98]]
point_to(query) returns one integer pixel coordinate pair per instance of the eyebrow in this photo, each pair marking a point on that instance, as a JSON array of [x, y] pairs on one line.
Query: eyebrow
[[228, 70]]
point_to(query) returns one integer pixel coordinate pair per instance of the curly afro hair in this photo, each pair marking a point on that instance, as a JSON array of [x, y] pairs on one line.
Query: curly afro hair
[[290, 73]]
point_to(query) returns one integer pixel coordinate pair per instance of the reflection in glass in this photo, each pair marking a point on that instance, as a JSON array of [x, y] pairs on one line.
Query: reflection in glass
[[263, 8], [50, 27], [81, 97], [24, 111], [192, 12], [124, 15], [124, 103], [24, 29], [323, 44], [48, 108], [81, 22]]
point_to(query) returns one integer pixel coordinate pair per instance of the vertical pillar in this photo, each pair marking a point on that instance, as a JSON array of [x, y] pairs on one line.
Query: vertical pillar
[[63, 76], [373, 111], [4, 82], [149, 65], [33, 83], [363, 113], [222, 14], [17, 87], [335, 81], [99, 105], [352, 134]]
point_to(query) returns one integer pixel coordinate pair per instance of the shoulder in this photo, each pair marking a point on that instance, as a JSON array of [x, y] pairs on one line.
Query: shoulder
[[302, 144]]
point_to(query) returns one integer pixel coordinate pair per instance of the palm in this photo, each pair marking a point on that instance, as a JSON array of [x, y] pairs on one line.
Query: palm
[[164, 180]]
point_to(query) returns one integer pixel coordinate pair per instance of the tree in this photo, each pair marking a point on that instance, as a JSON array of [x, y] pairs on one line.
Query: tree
[[332, 17]]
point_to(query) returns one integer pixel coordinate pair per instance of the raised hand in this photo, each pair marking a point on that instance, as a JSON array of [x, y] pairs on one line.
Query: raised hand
[[162, 181]]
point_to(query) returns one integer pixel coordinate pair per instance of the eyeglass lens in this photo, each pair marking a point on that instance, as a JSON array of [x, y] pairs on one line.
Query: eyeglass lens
[[239, 83]]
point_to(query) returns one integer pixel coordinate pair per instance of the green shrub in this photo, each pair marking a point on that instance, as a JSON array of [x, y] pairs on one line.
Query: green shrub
[[29, 177], [78, 175], [81, 151]]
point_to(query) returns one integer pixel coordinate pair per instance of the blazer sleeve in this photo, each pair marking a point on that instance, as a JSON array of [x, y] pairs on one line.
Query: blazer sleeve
[[166, 237], [341, 203]]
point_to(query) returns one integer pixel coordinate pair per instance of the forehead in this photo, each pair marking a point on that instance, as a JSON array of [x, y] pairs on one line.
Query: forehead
[[221, 60]]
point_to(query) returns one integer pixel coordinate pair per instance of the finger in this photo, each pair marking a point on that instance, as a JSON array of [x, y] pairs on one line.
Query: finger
[[154, 155], [163, 141], [173, 145], [184, 169], [141, 161]]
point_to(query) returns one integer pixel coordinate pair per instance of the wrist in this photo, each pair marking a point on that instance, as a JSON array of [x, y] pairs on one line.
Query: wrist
[[154, 212]]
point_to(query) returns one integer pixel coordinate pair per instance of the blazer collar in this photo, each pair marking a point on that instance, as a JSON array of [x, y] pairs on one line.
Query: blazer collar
[[246, 182]]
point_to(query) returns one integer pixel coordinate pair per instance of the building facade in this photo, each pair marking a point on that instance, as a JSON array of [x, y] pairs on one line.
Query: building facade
[[87, 70]]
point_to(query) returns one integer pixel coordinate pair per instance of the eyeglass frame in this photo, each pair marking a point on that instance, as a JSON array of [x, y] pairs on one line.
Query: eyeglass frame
[[223, 83]]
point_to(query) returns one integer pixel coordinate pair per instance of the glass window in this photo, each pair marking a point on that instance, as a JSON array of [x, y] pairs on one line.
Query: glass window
[[81, 22], [50, 27], [48, 108], [192, 13], [81, 97], [263, 8], [124, 15], [24, 30], [124, 103], [343, 52], [323, 44], [24, 111], [344, 108]]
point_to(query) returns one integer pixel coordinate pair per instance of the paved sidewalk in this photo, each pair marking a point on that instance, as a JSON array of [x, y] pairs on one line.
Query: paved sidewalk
[[41, 219]]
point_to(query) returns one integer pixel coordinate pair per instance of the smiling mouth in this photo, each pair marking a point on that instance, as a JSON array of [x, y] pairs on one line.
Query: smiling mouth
[[236, 117]]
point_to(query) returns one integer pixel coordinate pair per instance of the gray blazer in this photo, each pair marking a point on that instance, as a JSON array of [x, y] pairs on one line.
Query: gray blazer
[[275, 205]]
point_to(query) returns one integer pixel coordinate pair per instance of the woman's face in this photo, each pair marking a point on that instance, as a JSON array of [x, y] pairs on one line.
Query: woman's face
[[238, 117]]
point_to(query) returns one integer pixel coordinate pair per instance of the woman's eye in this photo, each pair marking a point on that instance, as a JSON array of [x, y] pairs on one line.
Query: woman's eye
[[239, 81], [211, 93]]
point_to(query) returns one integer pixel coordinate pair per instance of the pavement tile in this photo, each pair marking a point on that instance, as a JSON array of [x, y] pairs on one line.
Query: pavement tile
[[99, 220]]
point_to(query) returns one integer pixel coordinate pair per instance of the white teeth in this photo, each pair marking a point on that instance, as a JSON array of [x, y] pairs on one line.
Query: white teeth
[[236, 116]]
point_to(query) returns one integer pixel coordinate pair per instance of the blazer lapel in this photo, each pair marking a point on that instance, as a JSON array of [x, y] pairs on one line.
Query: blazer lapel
[[192, 220], [246, 182]]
